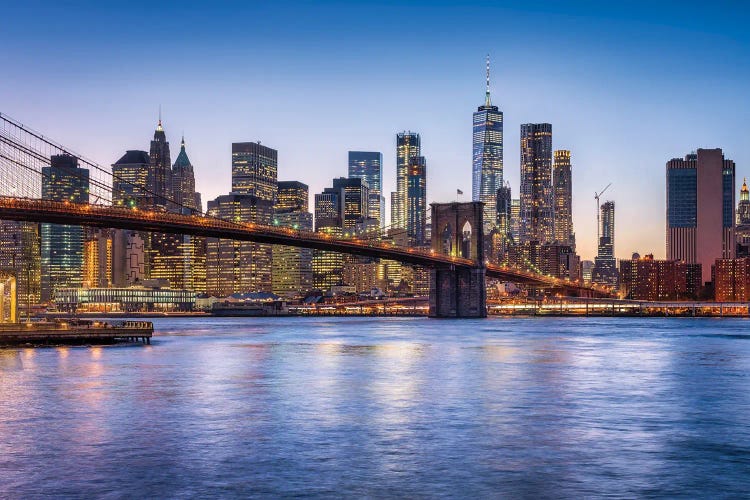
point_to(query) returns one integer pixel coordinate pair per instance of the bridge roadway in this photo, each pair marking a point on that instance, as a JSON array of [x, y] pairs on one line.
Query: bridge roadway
[[106, 216]]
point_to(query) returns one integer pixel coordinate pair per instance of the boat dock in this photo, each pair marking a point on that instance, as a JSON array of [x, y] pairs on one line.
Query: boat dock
[[76, 332]]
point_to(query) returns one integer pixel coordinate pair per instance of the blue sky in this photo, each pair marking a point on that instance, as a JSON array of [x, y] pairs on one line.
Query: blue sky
[[626, 86]]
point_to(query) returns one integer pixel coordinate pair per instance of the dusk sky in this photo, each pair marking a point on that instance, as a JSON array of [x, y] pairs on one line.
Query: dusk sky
[[626, 86]]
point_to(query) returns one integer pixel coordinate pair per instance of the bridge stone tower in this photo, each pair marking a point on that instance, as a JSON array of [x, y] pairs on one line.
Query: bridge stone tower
[[457, 231]]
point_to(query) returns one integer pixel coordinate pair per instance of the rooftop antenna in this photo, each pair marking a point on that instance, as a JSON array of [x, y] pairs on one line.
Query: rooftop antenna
[[487, 101]]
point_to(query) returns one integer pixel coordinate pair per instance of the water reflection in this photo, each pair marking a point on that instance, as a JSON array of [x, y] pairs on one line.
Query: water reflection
[[384, 407]]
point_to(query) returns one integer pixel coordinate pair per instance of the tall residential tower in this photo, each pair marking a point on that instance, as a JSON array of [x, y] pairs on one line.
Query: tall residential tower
[[562, 180], [536, 215]]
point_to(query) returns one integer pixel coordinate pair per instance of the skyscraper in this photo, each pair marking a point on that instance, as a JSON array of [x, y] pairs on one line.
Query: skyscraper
[[183, 182], [160, 169], [563, 197], [536, 183], [339, 211], [368, 165], [254, 170], [238, 266], [700, 209], [20, 255], [130, 180], [416, 202], [605, 265], [292, 196], [487, 157], [62, 245], [291, 270], [408, 145]]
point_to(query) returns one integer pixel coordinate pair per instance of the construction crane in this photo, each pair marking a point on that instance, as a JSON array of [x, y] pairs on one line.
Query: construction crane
[[598, 226]]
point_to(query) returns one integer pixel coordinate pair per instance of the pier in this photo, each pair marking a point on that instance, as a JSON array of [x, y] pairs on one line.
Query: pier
[[76, 332]]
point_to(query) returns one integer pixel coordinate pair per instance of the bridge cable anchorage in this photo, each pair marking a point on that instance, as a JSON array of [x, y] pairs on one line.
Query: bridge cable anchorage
[[24, 153]]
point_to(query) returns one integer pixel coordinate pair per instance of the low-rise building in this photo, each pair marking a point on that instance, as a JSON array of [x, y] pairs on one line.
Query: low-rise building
[[646, 278]]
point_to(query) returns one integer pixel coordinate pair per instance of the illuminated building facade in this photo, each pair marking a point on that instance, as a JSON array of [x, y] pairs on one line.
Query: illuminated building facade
[[328, 266], [292, 196], [254, 170], [536, 217], [20, 256], [605, 265], [732, 280], [515, 219], [62, 245], [341, 211], [368, 165], [416, 202], [133, 299], [408, 146], [292, 273], [487, 156], [700, 209], [562, 180], [97, 259], [646, 278], [238, 266], [130, 179]]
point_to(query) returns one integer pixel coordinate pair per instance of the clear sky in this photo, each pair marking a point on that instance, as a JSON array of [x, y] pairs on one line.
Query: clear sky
[[626, 86]]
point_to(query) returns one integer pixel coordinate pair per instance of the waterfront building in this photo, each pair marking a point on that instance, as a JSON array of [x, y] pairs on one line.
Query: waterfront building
[[605, 265], [292, 196], [291, 271], [416, 202], [487, 156], [20, 256], [254, 170], [408, 146], [62, 245], [238, 266], [368, 165], [732, 280], [700, 209], [152, 295], [183, 183], [536, 210], [646, 278], [562, 179], [130, 180]]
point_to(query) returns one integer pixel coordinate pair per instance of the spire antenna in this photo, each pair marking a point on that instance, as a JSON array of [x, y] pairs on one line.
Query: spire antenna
[[487, 101]]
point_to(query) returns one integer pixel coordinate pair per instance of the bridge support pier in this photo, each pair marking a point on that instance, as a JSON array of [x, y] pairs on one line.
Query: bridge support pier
[[458, 293]]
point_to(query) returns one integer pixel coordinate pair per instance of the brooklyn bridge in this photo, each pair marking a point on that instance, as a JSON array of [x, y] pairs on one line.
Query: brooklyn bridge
[[455, 258]]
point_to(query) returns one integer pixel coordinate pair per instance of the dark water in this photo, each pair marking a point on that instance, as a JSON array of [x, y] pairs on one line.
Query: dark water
[[385, 407]]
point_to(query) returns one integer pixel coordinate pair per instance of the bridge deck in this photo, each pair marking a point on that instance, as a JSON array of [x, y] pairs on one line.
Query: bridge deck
[[106, 216]]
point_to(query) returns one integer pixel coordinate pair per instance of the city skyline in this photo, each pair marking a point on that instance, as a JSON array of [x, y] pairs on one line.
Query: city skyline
[[598, 115]]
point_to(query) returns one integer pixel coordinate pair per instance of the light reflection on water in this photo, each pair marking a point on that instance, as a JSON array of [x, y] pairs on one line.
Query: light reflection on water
[[381, 407]]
